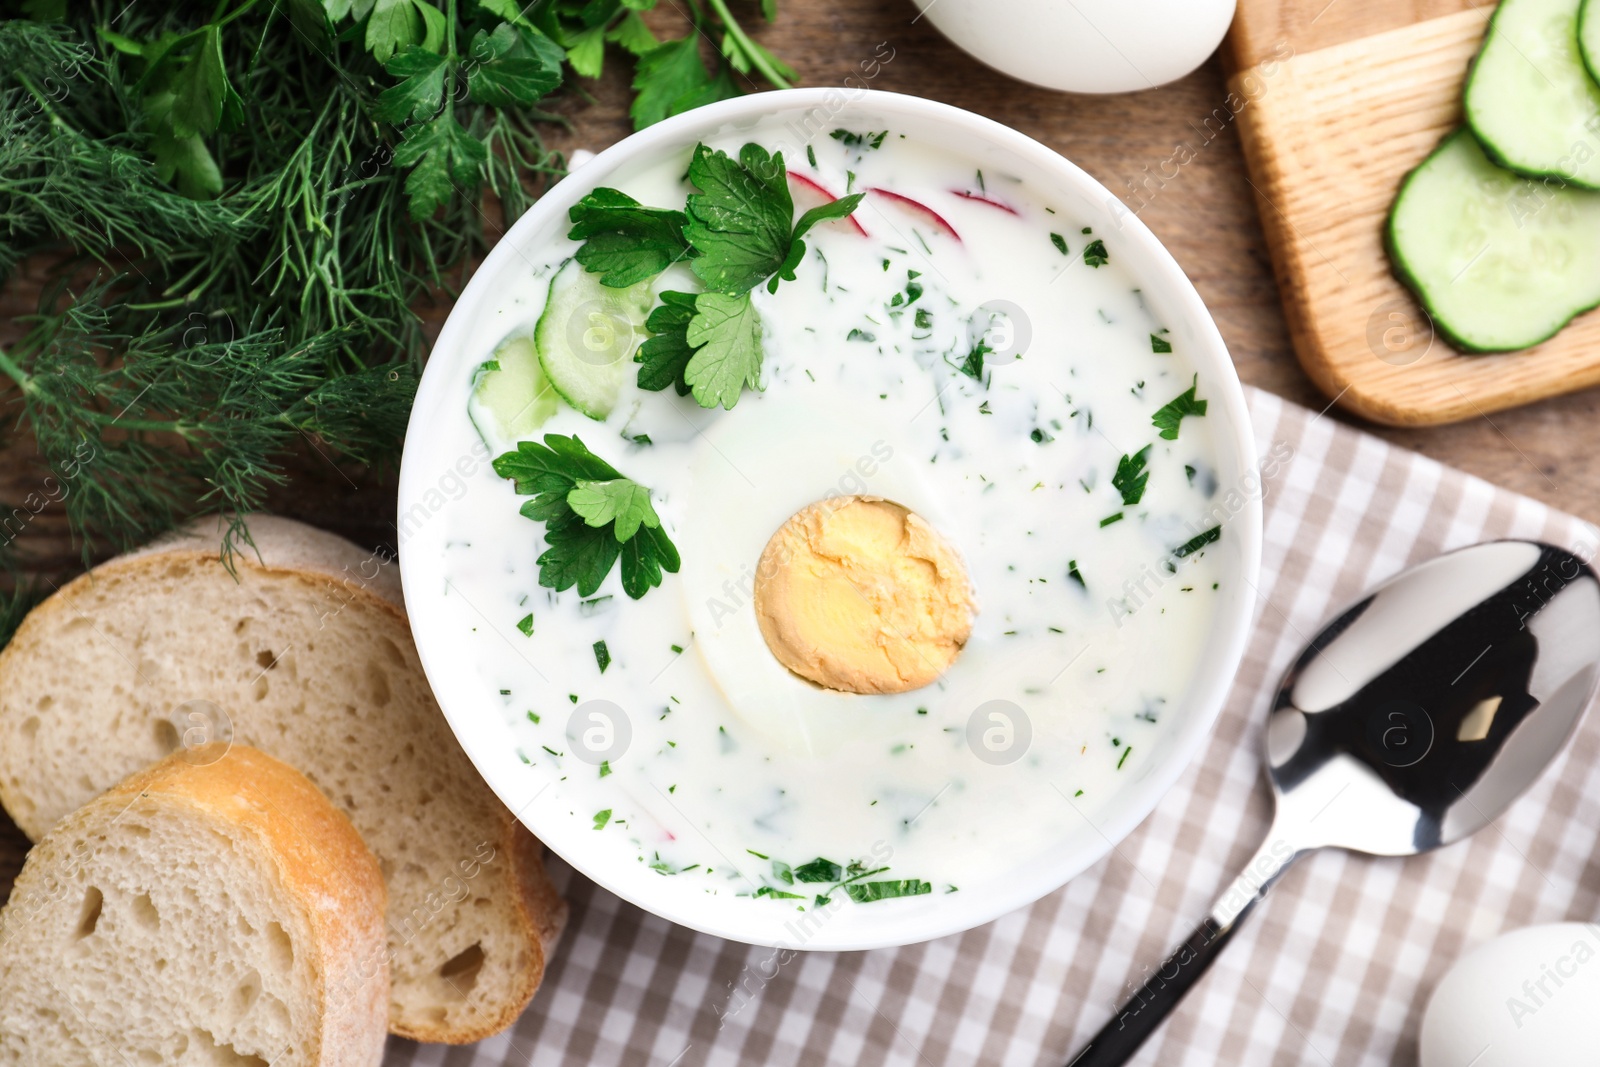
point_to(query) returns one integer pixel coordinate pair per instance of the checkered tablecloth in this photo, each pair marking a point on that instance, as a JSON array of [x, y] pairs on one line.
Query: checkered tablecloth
[[1334, 969]]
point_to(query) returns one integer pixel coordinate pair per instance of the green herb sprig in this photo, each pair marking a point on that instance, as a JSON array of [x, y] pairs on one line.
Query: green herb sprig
[[736, 232], [1171, 414], [593, 516], [850, 878], [1131, 476]]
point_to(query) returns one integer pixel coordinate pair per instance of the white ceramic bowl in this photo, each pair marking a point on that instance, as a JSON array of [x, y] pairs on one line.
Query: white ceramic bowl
[[439, 463]]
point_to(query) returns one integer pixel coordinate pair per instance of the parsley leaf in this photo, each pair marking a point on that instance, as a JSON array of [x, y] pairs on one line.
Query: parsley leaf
[[833, 209], [867, 892], [1197, 542], [548, 472], [819, 870], [586, 516], [200, 88], [972, 366], [777, 894], [740, 220], [665, 354], [433, 25], [1096, 255], [624, 241], [1160, 345], [643, 560], [708, 344], [1132, 476], [1172, 413], [670, 79], [1060, 242], [578, 555], [632, 34], [184, 161], [737, 230], [863, 141], [513, 66], [726, 330], [619, 501], [443, 155], [586, 51], [420, 91], [509, 10], [395, 24], [189, 98]]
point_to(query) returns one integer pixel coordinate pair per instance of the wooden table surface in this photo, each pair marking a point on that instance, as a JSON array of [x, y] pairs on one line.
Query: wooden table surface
[[1206, 215]]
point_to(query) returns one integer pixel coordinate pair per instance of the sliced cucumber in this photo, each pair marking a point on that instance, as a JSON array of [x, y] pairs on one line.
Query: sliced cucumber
[[1589, 37], [587, 335], [511, 398], [1501, 262], [1530, 98]]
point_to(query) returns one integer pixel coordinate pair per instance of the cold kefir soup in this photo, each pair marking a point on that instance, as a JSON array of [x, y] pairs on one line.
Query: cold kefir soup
[[849, 535]]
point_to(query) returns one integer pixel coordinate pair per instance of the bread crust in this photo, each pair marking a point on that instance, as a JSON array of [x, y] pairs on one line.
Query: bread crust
[[342, 573], [320, 861]]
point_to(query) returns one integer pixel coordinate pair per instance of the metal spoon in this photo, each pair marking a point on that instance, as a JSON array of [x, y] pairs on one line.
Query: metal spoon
[[1411, 721]]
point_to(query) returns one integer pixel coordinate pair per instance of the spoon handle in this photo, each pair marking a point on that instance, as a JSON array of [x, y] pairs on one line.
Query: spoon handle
[[1143, 1013]]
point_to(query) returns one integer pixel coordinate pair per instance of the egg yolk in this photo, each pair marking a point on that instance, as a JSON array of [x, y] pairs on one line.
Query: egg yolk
[[861, 595]]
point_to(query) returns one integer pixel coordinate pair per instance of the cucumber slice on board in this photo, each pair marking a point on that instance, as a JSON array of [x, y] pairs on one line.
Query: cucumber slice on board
[[1500, 262], [1530, 98], [587, 335], [511, 397]]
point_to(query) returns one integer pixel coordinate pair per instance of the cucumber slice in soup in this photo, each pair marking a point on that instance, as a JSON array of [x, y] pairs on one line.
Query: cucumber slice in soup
[[1529, 97], [1501, 262], [1589, 37], [587, 336], [511, 397]]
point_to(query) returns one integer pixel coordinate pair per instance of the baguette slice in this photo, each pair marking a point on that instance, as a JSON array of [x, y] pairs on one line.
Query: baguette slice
[[201, 912], [309, 657]]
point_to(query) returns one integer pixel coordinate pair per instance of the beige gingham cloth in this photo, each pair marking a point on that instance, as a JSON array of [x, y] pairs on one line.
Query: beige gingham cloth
[[1335, 968]]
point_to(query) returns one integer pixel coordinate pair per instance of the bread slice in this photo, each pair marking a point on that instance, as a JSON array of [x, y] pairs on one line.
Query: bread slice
[[210, 911], [309, 657]]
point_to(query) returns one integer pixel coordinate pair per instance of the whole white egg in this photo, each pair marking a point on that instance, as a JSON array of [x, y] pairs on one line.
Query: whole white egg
[[1527, 997], [1085, 46]]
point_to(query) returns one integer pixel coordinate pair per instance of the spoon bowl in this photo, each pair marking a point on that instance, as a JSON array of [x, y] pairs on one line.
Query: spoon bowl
[[1420, 713], [1410, 721]]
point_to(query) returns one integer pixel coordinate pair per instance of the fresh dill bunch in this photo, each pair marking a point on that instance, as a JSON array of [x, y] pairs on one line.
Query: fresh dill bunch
[[45, 172], [65, 181], [186, 417], [221, 336]]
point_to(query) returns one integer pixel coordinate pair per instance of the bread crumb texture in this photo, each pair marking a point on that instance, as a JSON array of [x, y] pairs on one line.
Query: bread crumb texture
[[310, 663], [199, 914]]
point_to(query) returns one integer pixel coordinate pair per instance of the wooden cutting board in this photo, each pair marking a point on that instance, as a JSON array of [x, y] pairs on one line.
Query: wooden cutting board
[[1335, 103]]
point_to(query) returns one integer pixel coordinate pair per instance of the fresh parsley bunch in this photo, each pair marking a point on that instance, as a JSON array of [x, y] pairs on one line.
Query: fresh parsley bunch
[[737, 231], [593, 516], [496, 53], [670, 77], [513, 58]]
